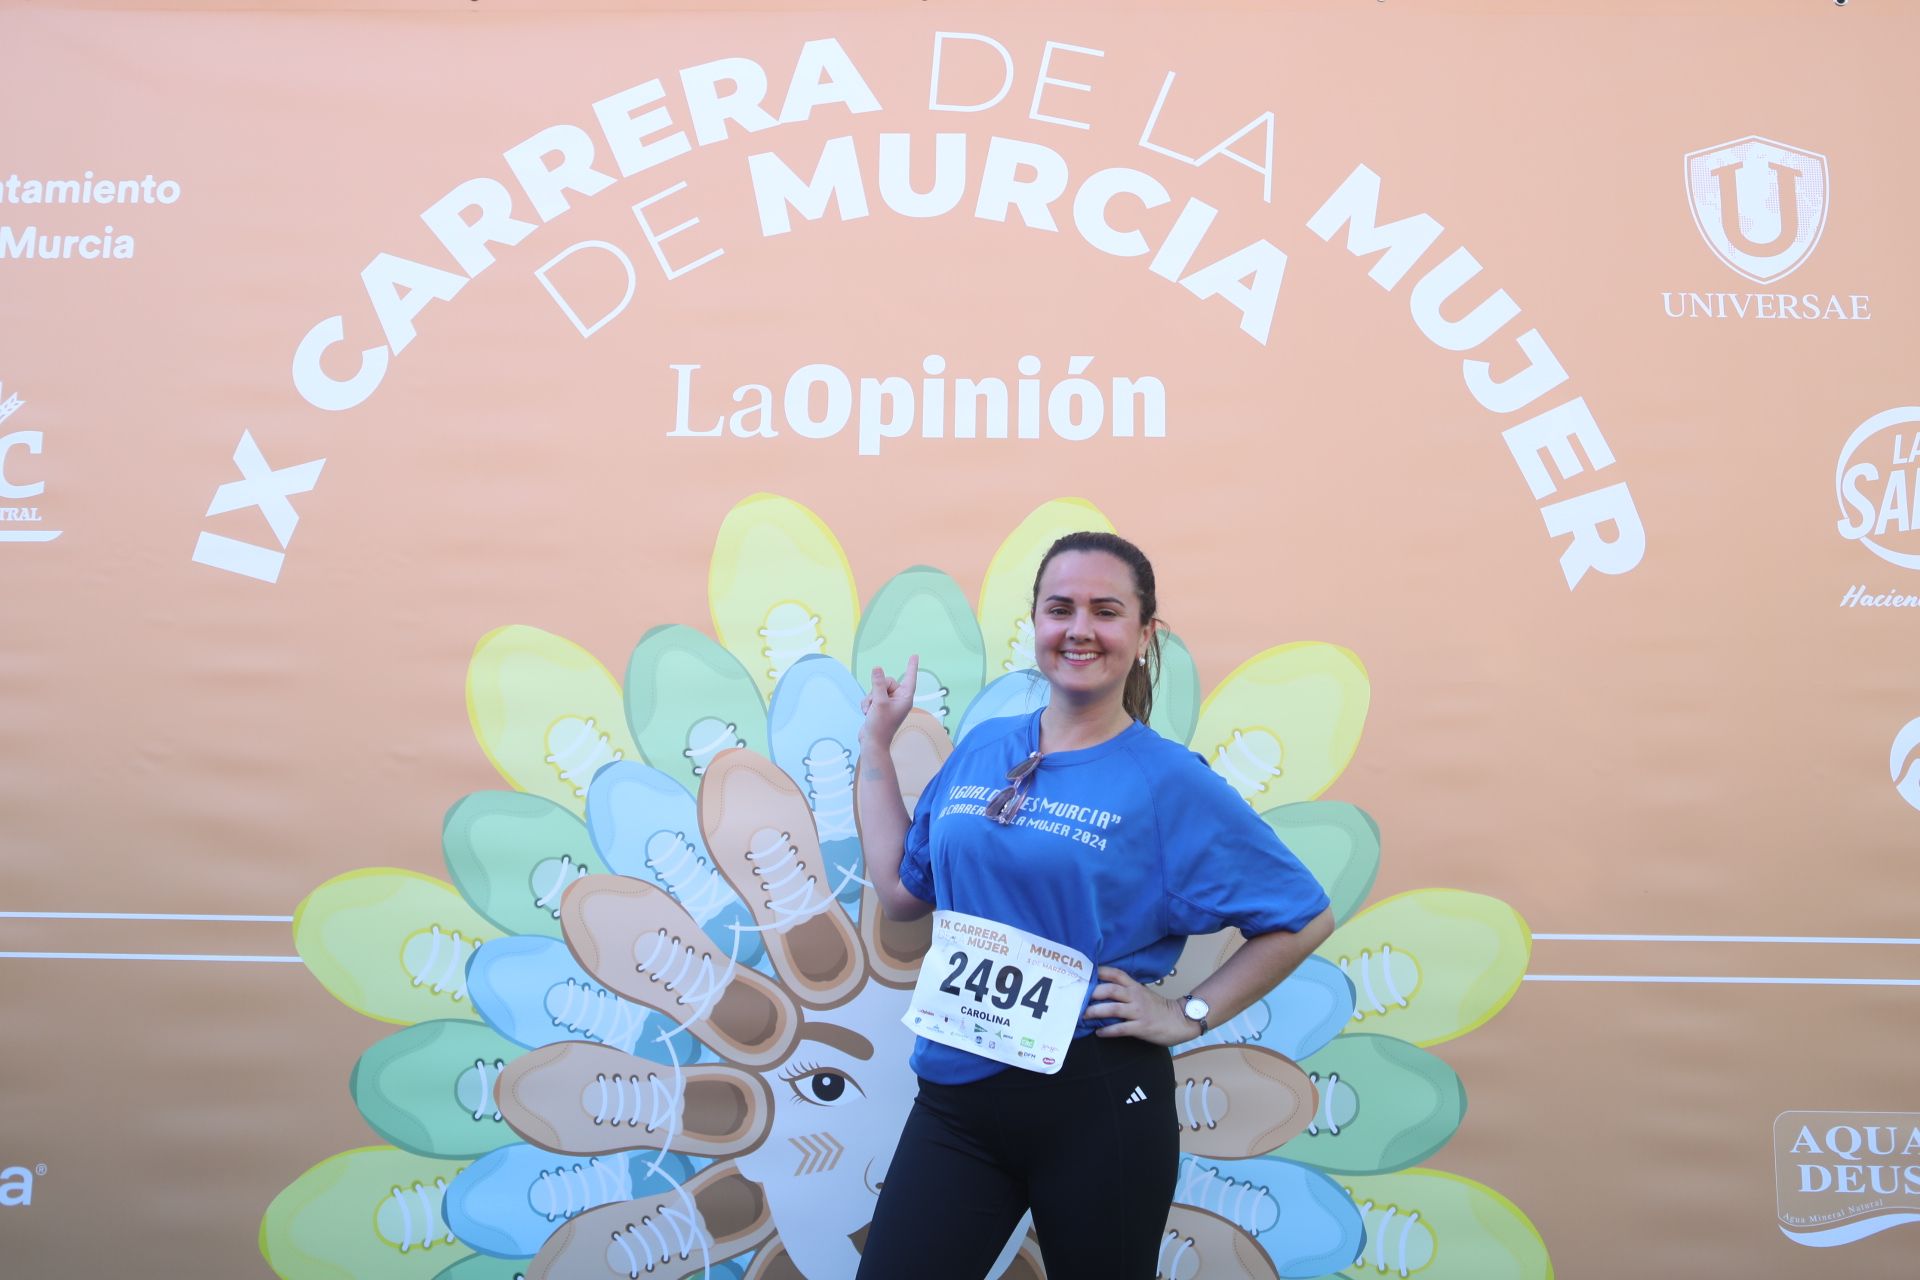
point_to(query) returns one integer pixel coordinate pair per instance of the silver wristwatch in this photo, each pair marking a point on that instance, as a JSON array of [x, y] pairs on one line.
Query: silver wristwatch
[[1197, 1009]]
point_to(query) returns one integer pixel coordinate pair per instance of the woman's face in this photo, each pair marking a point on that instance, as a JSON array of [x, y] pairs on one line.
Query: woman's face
[[1087, 630]]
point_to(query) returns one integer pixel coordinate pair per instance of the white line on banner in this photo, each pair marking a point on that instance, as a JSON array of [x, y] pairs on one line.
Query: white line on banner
[[1793, 982], [139, 915], [1722, 937], [140, 955]]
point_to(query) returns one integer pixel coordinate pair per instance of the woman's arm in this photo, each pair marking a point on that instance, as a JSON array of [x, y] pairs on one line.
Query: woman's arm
[[882, 815], [1249, 973]]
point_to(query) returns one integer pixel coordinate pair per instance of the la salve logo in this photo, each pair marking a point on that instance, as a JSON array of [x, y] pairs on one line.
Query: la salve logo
[[1903, 762], [1875, 482], [1760, 204]]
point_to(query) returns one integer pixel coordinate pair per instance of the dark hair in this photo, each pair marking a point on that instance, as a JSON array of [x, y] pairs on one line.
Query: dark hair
[[1137, 697]]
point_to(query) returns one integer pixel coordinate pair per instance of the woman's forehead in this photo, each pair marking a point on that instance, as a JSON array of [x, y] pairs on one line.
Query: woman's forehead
[[1087, 573]]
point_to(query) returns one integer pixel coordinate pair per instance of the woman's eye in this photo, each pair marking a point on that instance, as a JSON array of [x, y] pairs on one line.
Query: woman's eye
[[824, 1088]]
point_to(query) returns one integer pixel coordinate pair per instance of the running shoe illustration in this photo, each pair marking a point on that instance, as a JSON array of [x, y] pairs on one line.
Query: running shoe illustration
[[922, 611], [428, 1088], [510, 1200], [512, 855], [369, 1212], [546, 712], [780, 588], [688, 699], [1431, 964], [1384, 1105], [1303, 1220], [532, 990], [1443, 1227], [391, 944]]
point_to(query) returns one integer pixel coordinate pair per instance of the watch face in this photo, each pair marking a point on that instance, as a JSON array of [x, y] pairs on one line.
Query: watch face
[[1197, 1009]]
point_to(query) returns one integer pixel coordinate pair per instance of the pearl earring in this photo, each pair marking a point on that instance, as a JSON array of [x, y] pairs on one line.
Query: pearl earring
[[1143, 659]]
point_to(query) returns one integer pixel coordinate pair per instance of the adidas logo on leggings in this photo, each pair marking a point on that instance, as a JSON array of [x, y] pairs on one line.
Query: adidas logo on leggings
[[1138, 1095]]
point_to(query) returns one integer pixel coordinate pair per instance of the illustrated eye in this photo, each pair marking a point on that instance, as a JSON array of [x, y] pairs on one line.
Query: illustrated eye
[[822, 1086]]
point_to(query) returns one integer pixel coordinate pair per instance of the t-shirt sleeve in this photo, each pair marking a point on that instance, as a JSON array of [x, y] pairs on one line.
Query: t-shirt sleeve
[[1224, 865]]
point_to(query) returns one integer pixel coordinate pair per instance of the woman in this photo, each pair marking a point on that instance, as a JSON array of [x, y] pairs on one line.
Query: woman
[[1081, 826]]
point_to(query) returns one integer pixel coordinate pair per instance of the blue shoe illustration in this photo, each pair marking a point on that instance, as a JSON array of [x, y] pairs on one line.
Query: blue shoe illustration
[[647, 826], [1017, 693], [1303, 1219], [509, 1201], [813, 725], [1296, 1018], [532, 991]]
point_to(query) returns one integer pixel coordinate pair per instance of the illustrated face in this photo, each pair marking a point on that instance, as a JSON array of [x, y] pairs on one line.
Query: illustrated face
[[840, 1100], [1087, 632]]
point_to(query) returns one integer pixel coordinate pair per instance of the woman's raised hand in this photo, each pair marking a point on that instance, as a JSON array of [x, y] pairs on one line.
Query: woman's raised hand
[[887, 703]]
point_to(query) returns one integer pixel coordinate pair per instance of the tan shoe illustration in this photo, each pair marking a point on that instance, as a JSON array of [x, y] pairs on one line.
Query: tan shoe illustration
[[895, 948], [716, 1215], [1234, 1102], [591, 1099], [639, 943], [1198, 1243], [760, 832]]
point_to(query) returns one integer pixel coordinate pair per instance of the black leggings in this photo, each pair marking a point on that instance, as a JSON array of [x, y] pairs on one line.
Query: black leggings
[[1093, 1150]]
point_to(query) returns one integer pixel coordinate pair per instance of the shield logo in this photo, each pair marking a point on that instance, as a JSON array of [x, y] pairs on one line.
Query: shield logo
[[1760, 204]]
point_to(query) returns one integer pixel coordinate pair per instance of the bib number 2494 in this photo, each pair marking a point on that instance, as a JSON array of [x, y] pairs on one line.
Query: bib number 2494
[[1000, 985]]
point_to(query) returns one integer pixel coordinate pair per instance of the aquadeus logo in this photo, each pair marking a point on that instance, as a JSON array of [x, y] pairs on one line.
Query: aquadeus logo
[[1876, 482], [1841, 1176], [1760, 204]]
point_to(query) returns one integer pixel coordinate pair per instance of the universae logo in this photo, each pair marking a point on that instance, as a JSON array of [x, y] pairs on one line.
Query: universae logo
[[1760, 204]]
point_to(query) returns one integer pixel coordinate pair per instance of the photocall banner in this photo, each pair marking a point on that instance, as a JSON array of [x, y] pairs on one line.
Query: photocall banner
[[459, 465]]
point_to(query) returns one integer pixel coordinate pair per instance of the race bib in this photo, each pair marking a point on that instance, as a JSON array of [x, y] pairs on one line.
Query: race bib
[[1000, 992]]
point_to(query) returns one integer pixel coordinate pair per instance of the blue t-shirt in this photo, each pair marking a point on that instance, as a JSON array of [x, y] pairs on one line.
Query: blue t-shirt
[[1121, 851]]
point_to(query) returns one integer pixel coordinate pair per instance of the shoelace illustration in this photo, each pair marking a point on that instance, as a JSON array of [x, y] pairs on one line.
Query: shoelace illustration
[[1378, 1244], [652, 1235], [439, 960], [1021, 647], [707, 737], [791, 633], [1249, 1207], [476, 1086], [568, 1190], [557, 874], [623, 1099], [1182, 1249], [417, 1208], [578, 749], [792, 894], [687, 874], [1364, 980], [593, 1014], [830, 789], [1204, 1086], [671, 963], [1250, 762], [1324, 1120]]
